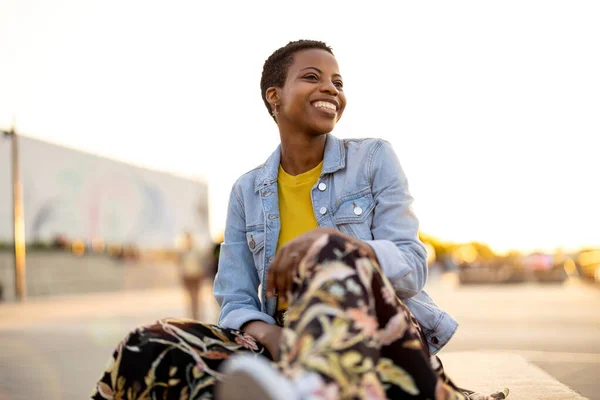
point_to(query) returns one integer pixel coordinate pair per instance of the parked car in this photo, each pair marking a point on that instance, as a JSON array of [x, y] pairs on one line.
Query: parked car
[[588, 263]]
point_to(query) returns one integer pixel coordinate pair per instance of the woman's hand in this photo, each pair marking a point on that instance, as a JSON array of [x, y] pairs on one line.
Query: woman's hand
[[281, 271], [268, 335]]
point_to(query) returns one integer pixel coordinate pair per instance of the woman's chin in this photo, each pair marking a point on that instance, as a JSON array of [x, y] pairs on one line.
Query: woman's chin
[[323, 128]]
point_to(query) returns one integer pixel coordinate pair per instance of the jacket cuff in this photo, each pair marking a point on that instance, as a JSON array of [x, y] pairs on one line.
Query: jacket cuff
[[438, 340], [236, 318]]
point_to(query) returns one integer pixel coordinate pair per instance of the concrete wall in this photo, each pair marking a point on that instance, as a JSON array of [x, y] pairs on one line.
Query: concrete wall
[[57, 273]]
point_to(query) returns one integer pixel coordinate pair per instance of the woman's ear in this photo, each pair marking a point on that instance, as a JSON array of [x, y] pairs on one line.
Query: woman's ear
[[272, 95]]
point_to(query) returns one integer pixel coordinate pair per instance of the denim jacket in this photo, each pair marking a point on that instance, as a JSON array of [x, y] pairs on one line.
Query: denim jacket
[[362, 191]]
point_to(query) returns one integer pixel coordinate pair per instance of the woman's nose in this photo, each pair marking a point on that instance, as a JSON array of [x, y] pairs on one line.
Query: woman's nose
[[329, 87]]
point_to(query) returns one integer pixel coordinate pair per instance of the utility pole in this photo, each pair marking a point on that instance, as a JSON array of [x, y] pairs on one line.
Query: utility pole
[[18, 220]]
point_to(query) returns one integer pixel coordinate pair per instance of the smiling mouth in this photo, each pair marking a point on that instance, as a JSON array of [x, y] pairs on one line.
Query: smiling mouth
[[326, 106]]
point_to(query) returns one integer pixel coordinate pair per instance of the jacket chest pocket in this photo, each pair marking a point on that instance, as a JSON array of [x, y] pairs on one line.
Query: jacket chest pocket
[[355, 215], [256, 244]]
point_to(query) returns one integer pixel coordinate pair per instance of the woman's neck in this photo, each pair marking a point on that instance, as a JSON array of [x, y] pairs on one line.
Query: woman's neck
[[301, 153]]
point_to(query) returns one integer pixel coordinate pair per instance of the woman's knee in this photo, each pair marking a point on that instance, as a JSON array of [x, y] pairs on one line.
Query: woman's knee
[[332, 248]]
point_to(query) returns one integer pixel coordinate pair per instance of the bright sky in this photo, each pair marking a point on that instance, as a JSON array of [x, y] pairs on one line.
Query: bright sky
[[492, 107]]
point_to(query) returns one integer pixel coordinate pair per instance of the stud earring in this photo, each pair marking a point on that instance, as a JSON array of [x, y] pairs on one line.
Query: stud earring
[[274, 112]]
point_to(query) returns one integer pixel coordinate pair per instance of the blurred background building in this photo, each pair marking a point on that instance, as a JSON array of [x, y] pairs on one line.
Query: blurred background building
[[80, 205]]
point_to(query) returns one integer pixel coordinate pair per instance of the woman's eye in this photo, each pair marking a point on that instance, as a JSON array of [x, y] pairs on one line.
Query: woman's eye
[[312, 77], [339, 84]]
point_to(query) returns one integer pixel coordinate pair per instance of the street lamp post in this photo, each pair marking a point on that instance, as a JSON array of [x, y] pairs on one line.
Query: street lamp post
[[18, 222]]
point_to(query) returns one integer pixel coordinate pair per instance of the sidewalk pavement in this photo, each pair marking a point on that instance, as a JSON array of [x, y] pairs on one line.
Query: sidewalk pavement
[[55, 348], [69, 309]]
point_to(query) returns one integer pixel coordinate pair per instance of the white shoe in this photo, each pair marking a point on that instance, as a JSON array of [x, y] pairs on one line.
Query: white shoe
[[250, 377]]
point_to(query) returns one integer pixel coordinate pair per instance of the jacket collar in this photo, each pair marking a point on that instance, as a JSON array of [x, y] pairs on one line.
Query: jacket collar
[[333, 160]]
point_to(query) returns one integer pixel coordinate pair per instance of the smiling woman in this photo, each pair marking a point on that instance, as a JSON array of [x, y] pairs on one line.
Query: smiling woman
[[325, 230], [306, 94]]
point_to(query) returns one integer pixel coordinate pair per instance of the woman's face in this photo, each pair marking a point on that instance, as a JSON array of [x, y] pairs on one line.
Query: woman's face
[[312, 98]]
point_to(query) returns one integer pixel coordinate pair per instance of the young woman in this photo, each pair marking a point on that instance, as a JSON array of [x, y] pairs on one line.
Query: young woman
[[320, 275]]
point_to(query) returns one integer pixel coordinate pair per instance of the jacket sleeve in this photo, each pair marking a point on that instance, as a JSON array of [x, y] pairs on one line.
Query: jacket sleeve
[[236, 283], [402, 256]]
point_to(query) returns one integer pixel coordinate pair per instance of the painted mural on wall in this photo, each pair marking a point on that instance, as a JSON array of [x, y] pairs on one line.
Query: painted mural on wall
[[87, 197]]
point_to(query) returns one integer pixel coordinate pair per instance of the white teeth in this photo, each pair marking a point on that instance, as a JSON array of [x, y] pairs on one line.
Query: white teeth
[[325, 104]]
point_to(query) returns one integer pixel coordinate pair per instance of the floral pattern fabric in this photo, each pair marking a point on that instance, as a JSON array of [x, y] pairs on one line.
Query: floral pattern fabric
[[346, 336]]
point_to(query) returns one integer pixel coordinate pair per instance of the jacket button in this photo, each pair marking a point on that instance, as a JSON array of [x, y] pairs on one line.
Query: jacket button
[[323, 210], [272, 216], [252, 243], [435, 340], [322, 186], [357, 210]]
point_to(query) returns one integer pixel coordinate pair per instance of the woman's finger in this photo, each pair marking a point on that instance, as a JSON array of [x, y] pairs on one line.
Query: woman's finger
[[271, 274], [274, 274], [295, 258], [270, 283], [280, 276]]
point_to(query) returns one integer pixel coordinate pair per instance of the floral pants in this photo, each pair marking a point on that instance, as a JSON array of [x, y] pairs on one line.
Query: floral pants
[[346, 335]]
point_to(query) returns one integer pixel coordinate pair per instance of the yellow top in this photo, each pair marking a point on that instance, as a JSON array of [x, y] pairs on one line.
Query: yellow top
[[295, 206]]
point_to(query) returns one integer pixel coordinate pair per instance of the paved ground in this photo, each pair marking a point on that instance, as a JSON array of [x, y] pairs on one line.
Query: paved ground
[[556, 327], [56, 348]]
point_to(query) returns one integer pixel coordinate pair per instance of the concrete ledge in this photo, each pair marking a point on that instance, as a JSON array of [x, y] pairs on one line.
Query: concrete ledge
[[487, 372], [61, 273]]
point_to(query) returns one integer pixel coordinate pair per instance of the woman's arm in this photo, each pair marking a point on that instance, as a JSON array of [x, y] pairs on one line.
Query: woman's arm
[[236, 283], [402, 256]]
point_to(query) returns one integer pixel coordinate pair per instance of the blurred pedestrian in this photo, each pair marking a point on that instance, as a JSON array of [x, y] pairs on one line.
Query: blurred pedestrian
[[193, 269], [215, 254]]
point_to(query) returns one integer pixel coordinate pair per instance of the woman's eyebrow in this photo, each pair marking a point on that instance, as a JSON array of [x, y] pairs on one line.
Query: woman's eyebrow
[[315, 68], [319, 71]]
